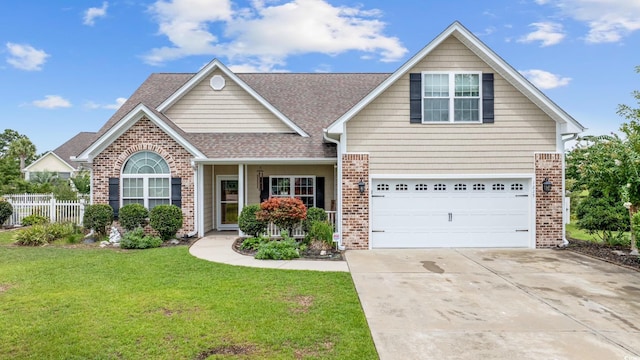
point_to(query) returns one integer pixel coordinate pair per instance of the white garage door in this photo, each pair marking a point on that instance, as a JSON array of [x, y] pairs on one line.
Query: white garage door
[[450, 213]]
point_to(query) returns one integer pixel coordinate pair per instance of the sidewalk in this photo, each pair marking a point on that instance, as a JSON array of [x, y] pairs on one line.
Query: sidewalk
[[217, 248]]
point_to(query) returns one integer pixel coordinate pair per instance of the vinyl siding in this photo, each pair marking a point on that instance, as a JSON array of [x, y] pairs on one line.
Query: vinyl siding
[[50, 163], [382, 128], [230, 110]]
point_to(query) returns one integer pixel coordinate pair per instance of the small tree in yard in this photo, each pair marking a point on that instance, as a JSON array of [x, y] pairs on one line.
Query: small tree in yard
[[286, 213]]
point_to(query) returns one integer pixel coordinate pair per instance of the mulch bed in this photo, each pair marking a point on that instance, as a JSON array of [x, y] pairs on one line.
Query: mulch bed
[[618, 255], [309, 254]]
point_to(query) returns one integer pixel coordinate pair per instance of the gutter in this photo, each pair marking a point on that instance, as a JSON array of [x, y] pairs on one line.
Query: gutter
[[565, 242]]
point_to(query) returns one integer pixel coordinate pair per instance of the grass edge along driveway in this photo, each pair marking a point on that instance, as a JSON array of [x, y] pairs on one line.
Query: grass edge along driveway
[[79, 303]]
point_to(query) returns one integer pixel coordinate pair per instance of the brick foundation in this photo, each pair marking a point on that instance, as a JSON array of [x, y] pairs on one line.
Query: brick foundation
[[355, 206], [548, 205], [145, 135]]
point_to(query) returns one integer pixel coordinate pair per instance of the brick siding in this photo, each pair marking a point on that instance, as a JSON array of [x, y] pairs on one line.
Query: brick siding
[[548, 205], [145, 135], [355, 206]]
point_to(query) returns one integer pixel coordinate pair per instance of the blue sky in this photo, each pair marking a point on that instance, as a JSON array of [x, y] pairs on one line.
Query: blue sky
[[66, 65]]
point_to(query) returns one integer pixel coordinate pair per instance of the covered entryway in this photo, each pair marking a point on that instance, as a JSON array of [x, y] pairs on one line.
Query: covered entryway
[[421, 213]]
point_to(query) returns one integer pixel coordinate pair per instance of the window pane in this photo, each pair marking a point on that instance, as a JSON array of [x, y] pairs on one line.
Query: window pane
[[436, 85], [132, 188], [436, 110], [146, 162], [467, 85], [154, 202], [303, 186], [159, 187], [280, 186], [467, 109]]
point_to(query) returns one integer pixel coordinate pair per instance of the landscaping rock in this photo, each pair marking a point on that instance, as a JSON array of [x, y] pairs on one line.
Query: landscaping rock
[[104, 244], [89, 240], [174, 242]]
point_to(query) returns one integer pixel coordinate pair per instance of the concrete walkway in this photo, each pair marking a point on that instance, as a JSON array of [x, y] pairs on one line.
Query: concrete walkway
[[217, 248]]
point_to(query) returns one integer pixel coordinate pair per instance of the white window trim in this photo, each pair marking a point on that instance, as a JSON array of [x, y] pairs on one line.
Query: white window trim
[[292, 186], [451, 96]]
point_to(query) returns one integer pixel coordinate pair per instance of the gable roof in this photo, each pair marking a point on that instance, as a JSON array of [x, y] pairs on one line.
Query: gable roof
[[67, 150], [568, 124], [46, 155], [208, 70]]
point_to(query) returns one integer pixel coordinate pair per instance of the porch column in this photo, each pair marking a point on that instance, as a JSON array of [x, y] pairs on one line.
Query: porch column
[[241, 188], [199, 200]]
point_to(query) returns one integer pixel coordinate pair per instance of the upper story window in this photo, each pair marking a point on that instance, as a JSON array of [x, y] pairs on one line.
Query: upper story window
[[451, 97], [146, 180]]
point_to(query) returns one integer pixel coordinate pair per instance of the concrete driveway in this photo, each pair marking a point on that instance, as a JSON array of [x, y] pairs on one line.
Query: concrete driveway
[[497, 304]]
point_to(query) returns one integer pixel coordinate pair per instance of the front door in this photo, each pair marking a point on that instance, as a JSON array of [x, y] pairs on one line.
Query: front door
[[227, 204]]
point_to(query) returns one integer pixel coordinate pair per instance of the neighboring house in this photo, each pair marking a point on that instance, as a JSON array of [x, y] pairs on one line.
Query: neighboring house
[[452, 149], [59, 160]]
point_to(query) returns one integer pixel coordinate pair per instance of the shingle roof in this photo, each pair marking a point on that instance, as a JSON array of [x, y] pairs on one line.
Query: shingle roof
[[312, 101], [74, 146]]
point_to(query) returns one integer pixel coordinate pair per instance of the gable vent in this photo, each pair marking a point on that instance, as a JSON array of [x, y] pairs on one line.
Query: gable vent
[[217, 82]]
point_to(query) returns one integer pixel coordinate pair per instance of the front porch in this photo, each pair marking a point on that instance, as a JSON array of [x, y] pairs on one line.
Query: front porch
[[223, 189]]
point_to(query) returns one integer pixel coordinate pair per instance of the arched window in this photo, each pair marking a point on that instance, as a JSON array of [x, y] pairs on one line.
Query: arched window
[[146, 180]]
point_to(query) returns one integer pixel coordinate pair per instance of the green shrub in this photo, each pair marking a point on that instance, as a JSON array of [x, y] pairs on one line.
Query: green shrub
[[36, 235], [98, 217], [34, 219], [604, 217], [321, 231], [252, 243], [285, 249], [132, 216], [136, 239], [6, 210], [313, 214], [166, 220], [249, 223], [61, 230]]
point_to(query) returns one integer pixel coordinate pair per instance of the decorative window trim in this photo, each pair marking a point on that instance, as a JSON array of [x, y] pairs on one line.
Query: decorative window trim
[[292, 186], [402, 187], [451, 97], [382, 187]]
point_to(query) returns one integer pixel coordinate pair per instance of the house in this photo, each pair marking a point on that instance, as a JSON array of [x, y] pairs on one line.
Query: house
[[59, 161], [453, 149]]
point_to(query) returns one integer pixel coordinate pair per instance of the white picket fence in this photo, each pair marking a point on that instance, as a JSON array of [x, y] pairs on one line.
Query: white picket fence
[[45, 205], [274, 231]]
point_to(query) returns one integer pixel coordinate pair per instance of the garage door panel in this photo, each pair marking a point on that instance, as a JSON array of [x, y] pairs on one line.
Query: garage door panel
[[450, 213]]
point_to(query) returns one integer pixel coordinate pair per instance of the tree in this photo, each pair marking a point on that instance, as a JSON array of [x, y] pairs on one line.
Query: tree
[[610, 164], [23, 149], [6, 138]]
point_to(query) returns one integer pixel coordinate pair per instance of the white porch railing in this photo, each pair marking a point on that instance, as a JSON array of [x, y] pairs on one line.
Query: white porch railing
[[45, 205], [274, 231]]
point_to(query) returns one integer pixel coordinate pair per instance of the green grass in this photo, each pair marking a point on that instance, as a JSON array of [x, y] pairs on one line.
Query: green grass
[[91, 303], [574, 232]]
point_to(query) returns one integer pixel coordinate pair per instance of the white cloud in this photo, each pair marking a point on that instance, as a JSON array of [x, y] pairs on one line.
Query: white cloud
[[52, 102], [608, 20], [92, 13], [263, 36], [115, 106], [26, 57], [548, 33], [544, 79]]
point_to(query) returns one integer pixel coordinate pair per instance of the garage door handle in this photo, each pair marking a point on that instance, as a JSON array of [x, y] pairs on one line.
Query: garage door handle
[[377, 230], [522, 230], [522, 195], [450, 217], [377, 195]]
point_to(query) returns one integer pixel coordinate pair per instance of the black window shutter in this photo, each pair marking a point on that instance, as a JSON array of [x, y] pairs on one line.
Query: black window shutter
[[264, 192], [320, 192], [415, 98], [176, 192], [487, 99], [114, 195]]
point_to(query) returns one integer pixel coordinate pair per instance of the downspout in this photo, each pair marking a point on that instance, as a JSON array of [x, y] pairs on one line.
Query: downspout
[[565, 242], [339, 188]]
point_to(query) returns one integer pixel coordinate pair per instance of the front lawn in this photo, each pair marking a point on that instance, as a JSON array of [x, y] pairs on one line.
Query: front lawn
[[91, 303]]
